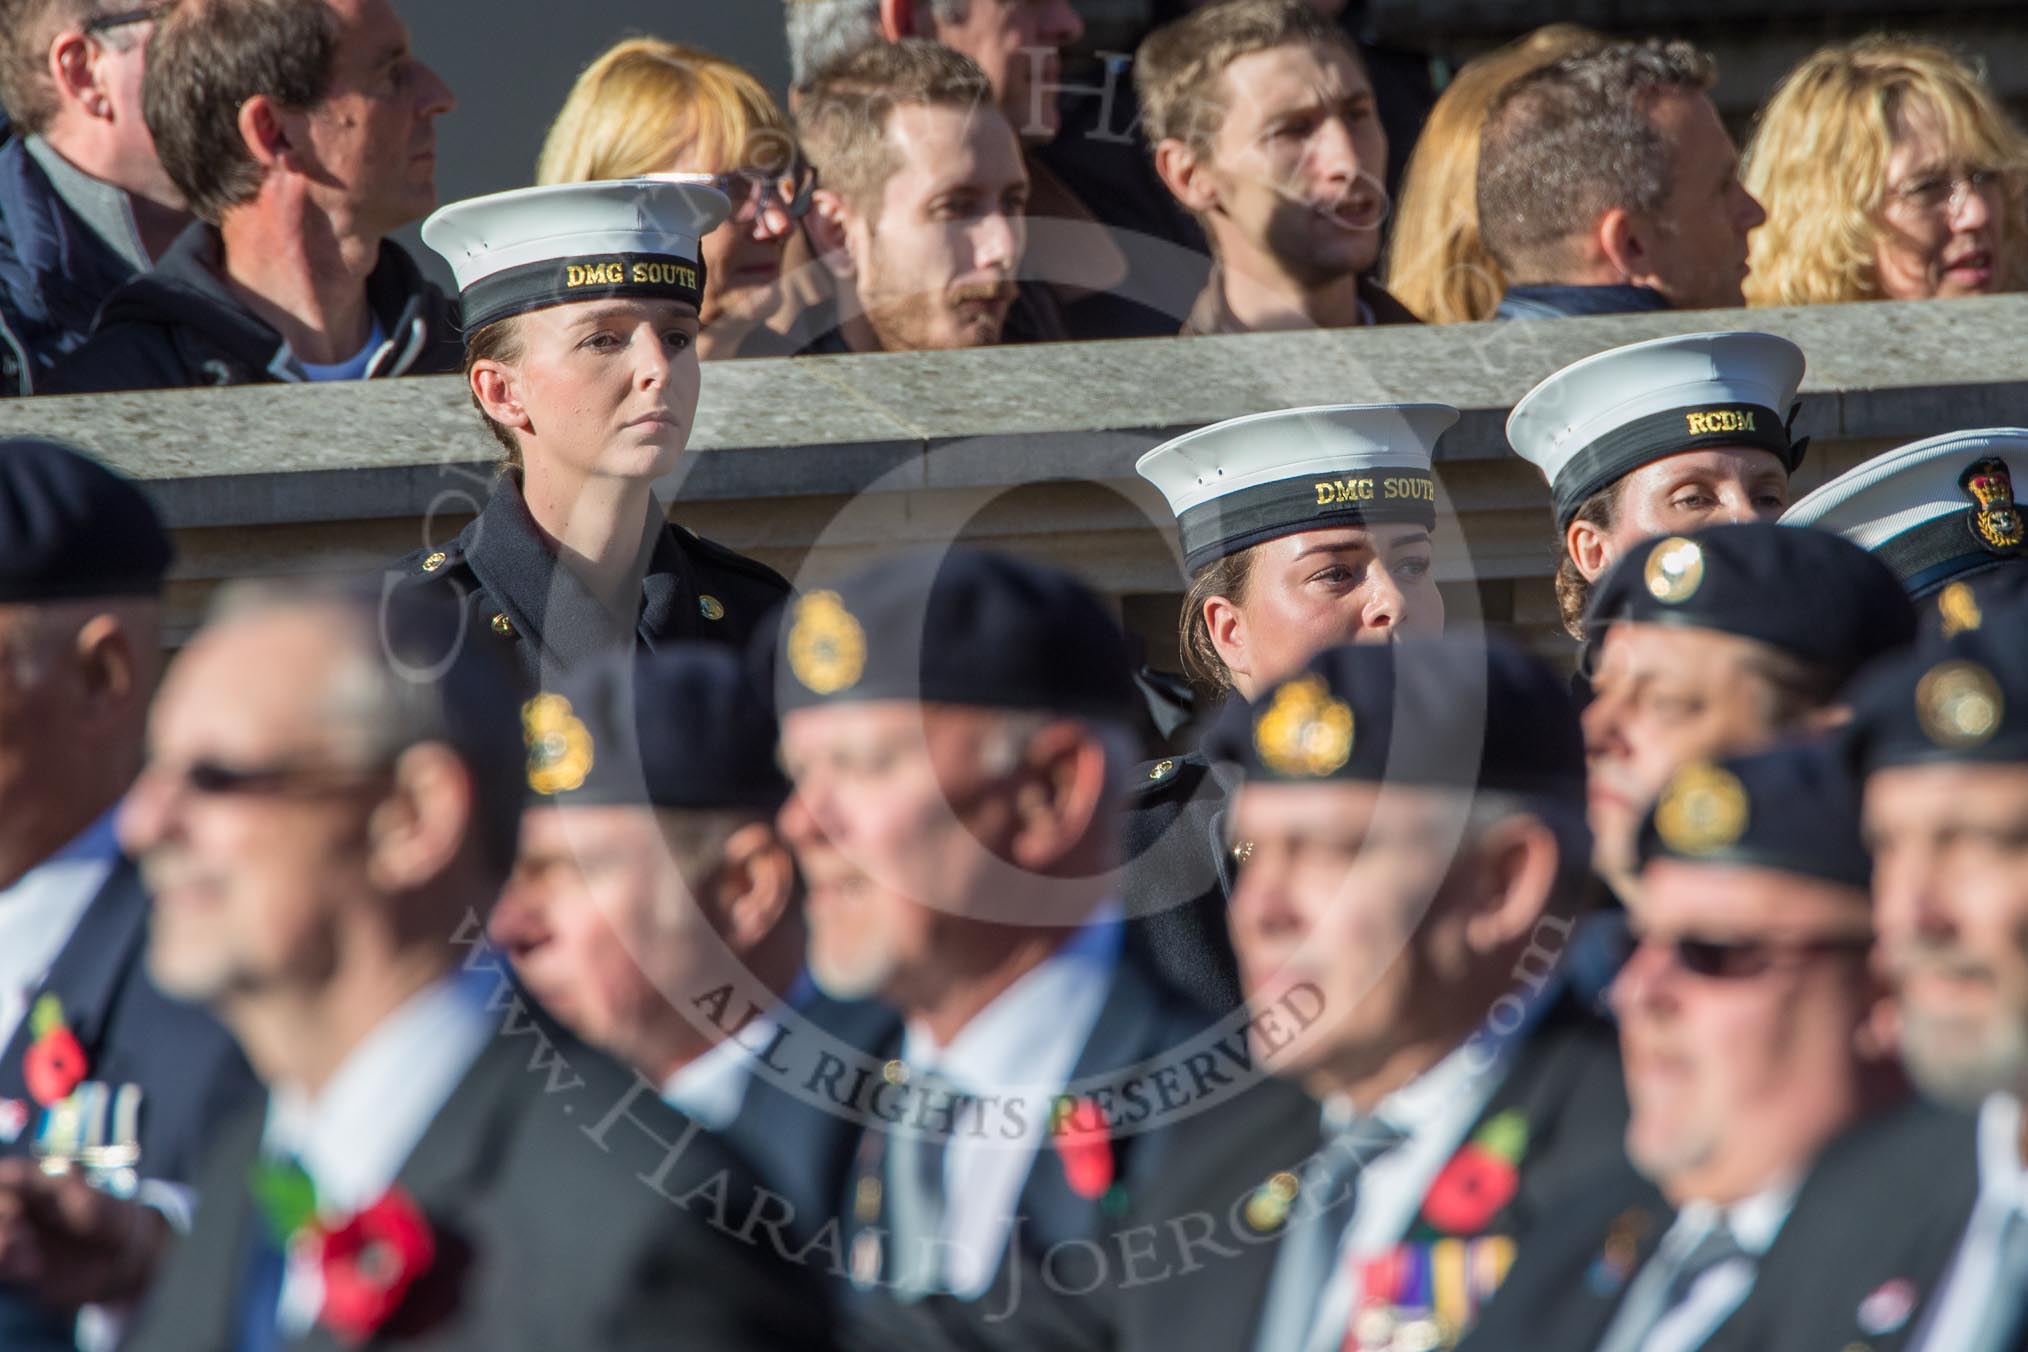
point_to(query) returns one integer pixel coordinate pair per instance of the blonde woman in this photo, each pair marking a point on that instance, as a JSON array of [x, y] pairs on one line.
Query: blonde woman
[[1888, 172], [1436, 265], [648, 106]]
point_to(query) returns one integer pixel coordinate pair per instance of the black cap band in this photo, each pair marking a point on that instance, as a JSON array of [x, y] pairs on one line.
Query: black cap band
[[561, 281], [1645, 440], [1375, 495]]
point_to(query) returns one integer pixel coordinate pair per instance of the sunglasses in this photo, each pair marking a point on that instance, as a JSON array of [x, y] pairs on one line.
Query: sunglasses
[[214, 779], [1739, 959], [753, 191], [120, 19]]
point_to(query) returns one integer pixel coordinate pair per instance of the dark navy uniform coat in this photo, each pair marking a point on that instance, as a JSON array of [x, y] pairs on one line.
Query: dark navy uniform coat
[[1178, 877], [515, 594]]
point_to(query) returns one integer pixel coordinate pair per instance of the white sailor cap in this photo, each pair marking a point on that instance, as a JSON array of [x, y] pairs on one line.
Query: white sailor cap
[[1932, 510], [1599, 419], [532, 248], [1237, 483]]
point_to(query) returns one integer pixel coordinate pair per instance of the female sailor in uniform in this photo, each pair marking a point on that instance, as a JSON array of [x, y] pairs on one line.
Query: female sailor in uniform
[[581, 313], [1301, 529]]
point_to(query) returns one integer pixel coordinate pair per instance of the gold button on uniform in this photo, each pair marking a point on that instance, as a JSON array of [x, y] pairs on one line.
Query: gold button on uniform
[[710, 607], [434, 561], [503, 626], [894, 1072], [1162, 769]]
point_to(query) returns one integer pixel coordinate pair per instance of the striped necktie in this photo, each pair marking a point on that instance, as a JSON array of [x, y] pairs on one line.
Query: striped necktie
[[1651, 1301], [1327, 1203]]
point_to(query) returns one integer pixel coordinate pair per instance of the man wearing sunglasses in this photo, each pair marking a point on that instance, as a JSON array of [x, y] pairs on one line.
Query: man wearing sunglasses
[[84, 201], [332, 801], [82, 1029], [1752, 1036], [302, 133]]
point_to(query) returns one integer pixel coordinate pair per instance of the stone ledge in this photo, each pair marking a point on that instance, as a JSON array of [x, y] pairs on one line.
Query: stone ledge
[[839, 426]]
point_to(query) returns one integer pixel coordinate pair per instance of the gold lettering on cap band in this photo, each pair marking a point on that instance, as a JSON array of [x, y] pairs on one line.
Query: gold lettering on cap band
[[1719, 420], [665, 274], [1331, 492], [595, 274]]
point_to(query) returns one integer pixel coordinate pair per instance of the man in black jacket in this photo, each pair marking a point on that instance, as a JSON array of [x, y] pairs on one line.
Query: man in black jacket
[[330, 804], [302, 135], [955, 815], [1760, 1083], [1424, 1094], [84, 201], [82, 1029]]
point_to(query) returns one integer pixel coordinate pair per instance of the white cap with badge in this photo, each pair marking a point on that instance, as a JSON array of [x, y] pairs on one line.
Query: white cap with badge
[[532, 248], [1601, 418], [1241, 482], [1932, 510]]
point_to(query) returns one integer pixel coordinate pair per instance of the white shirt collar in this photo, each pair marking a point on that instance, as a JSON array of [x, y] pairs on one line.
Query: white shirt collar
[[1032, 1032], [1433, 1094], [710, 1088], [354, 1136], [1754, 1221]]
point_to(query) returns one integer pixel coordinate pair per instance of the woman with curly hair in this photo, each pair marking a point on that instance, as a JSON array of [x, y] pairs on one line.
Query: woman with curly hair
[[1889, 172]]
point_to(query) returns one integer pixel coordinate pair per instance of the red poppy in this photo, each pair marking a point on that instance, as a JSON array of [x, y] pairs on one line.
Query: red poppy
[[55, 1065], [1086, 1148], [370, 1262], [1470, 1191]]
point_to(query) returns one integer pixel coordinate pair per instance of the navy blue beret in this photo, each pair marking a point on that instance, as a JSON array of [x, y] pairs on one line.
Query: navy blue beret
[[1806, 592], [1793, 809], [682, 726], [966, 626], [1962, 698], [1441, 711], [70, 528]]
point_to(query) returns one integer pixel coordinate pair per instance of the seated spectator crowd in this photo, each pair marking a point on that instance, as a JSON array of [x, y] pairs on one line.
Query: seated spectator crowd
[[203, 193], [576, 934]]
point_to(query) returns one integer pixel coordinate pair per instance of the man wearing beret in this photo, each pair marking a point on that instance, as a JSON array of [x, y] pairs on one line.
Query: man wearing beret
[[1942, 740], [1661, 437], [1762, 1083], [655, 909], [1416, 817], [1715, 643], [956, 816], [331, 803], [99, 1068]]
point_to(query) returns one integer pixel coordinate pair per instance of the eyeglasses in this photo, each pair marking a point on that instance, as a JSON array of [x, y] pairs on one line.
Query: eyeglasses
[[214, 779], [1936, 192], [122, 18], [1738, 959], [752, 191]]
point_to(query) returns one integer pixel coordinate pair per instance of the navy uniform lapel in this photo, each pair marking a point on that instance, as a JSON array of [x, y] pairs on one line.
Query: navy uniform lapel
[[464, 1144], [194, 1305], [1128, 1030], [87, 976], [543, 599], [668, 596], [1565, 1082]]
